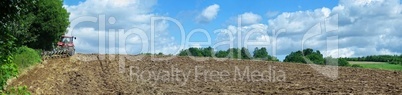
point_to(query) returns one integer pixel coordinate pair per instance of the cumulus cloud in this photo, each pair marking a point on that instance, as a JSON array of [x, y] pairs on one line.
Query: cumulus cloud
[[299, 21], [100, 26], [245, 19], [250, 18], [208, 14], [360, 28], [341, 52], [363, 27], [271, 14], [250, 36]]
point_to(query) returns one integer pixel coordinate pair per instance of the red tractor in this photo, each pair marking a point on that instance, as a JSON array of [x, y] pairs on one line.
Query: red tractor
[[65, 47], [66, 43]]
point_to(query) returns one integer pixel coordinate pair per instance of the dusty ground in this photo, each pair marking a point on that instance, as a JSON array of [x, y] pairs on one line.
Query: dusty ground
[[85, 74]]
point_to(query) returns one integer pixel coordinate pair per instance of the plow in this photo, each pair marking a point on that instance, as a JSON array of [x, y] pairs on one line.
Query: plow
[[64, 48]]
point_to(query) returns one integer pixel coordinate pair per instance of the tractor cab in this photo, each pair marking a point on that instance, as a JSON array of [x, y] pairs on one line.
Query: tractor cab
[[66, 41]]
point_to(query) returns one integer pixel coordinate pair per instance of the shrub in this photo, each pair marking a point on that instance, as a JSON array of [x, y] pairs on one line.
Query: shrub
[[356, 66], [262, 54], [21, 90], [160, 53], [7, 70], [336, 61], [25, 57], [343, 62], [21, 58], [301, 56]]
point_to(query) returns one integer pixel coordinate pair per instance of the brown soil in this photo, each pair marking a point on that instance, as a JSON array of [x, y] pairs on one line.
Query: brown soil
[[88, 74]]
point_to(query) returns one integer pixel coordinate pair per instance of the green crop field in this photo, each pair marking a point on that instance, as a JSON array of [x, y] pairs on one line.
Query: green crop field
[[377, 65]]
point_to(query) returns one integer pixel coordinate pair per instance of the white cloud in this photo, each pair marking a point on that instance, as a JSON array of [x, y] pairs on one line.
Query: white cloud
[[122, 3], [299, 21], [368, 27], [342, 52], [271, 14], [250, 18], [263, 38], [208, 14], [126, 15], [364, 27], [252, 30], [387, 52], [254, 35], [211, 11]]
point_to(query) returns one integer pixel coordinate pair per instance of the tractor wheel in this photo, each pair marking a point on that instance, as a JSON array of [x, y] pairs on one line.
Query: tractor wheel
[[71, 51]]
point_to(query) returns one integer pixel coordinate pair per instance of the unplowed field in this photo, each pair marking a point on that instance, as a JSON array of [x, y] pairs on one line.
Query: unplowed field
[[94, 74]]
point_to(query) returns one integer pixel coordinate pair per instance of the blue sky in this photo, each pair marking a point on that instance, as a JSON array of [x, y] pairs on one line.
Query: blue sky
[[361, 27]]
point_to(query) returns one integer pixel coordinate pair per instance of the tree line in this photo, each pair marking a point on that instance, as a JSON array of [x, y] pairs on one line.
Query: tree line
[[306, 56], [232, 53], [315, 57], [392, 59]]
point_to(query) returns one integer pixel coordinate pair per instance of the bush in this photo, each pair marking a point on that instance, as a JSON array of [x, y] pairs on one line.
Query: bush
[[356, 66], [342, 62], [160, 53], [25, 57], [262, 54], [21, 90], [301, 56], [336, 61], [396, 62], [21, 58], [7, 70]]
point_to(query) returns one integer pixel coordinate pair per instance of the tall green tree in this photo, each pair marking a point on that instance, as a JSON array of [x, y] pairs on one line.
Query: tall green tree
[[50, 22], [303, 56], [221, 54], [208, 52], [260, 53], [245, 54], [263, 54], [195, 51], [336, 61], [13, 20], [295, 57], [183, 52], [233, 53]]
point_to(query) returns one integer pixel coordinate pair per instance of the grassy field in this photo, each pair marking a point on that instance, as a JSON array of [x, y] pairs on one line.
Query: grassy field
[[377, 65]]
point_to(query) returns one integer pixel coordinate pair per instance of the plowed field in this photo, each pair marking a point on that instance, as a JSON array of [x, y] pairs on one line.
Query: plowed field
[[94, 74]]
